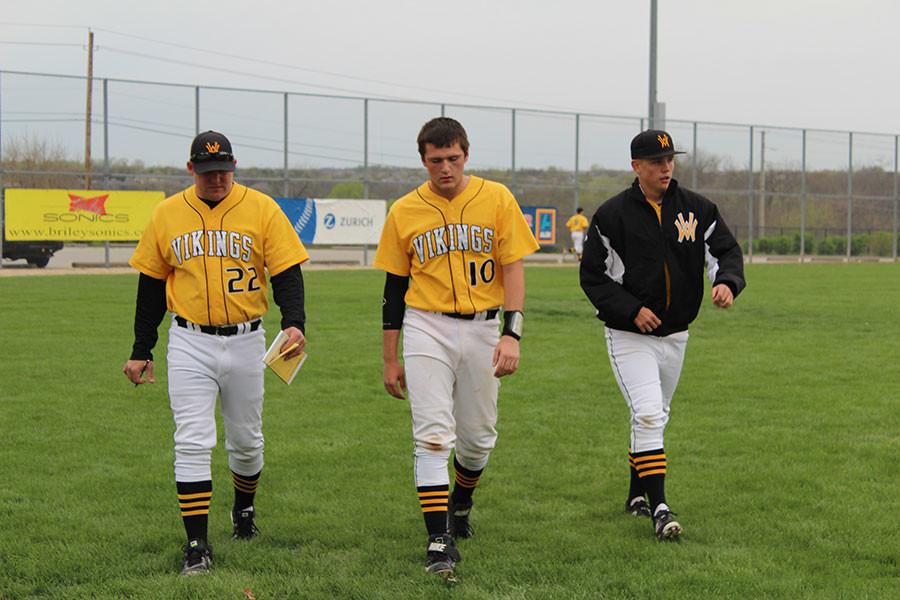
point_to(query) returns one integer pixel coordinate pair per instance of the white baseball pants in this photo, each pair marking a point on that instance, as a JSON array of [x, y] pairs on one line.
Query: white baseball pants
[[452, 391], [578, 241], [200, 366], [647, 369]]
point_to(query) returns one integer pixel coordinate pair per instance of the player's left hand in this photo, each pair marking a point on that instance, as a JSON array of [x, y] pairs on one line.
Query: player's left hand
[[295, 336], [722, 296], [506, 356]]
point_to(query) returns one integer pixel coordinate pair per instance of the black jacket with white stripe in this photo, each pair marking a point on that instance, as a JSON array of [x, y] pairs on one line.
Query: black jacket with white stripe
[[627, 254]]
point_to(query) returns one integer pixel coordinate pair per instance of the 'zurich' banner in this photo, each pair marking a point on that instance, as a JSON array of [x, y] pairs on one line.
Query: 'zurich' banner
[[335, 222]]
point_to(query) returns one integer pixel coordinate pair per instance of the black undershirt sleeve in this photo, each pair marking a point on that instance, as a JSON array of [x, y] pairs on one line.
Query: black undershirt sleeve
[[148, 314], [287, 288], [393, 303]]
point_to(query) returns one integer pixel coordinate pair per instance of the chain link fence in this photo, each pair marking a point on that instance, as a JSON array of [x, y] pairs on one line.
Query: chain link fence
[[783, 191]]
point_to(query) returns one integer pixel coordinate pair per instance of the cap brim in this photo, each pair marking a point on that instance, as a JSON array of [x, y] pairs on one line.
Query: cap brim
[[213, 165], [659, 155]]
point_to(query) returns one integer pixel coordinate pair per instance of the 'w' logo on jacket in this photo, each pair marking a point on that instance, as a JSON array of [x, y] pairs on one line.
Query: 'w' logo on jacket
[[687, 230]]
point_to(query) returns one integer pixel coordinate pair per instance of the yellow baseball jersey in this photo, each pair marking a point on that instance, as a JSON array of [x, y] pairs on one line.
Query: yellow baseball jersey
[[214, 259], [453, 251], [577, 223]]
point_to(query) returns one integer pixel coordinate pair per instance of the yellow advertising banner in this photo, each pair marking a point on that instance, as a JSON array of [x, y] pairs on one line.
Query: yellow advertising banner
[[77, 215]]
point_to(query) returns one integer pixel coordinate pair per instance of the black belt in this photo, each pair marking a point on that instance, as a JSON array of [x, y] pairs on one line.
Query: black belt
[[225, 330], [489, 314]]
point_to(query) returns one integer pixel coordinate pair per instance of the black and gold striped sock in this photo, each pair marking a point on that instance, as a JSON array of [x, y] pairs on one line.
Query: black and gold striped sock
[[193, 499], [651, 469], [244, 489], [466, 482], [635, 488], [433, 500]]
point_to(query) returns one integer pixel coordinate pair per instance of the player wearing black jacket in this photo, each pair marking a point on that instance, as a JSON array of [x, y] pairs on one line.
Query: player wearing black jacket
[[644, 259]]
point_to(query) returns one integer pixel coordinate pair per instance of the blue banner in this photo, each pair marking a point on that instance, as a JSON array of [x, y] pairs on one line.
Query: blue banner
[[542, 220]]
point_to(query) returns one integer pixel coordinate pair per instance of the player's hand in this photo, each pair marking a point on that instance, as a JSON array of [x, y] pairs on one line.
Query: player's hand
[[395, 379], [722, 296], [646, 320], [295, 336], [506, 356], [134, 370]]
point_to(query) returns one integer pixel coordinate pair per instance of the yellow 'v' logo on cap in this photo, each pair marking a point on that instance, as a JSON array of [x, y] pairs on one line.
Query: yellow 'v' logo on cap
[[663, 141], [213, 147]]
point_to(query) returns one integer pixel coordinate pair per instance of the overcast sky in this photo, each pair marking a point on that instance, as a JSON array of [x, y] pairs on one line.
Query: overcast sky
[[809, 63], [828, 64]]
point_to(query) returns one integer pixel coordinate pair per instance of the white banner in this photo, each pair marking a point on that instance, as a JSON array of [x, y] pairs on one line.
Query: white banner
[[336, 222]]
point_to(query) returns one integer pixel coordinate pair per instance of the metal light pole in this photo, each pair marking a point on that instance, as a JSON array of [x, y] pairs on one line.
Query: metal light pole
[[651, 108]]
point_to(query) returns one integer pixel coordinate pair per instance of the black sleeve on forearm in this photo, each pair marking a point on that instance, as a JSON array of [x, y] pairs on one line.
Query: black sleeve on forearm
[[393, 304], [148, 314], [287, 288]]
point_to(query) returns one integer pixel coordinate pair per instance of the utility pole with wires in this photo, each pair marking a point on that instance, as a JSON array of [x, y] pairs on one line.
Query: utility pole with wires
[[88, 115]]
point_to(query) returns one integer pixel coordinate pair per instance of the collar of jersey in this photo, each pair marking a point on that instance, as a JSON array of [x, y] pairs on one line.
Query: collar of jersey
[[227, 201], [464, 196], [670, 191]]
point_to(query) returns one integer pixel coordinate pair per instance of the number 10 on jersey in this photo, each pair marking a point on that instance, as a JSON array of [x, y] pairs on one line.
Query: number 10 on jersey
[[483, 274]]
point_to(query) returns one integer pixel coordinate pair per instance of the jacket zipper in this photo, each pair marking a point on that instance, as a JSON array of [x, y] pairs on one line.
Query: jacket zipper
[[662, 239]]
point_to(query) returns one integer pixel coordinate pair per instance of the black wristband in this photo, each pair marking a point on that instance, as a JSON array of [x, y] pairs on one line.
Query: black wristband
[[512, 323]]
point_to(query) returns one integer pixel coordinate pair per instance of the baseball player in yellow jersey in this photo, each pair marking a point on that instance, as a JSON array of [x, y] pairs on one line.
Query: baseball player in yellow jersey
[[577, 224], [452, 250], [204, 257]]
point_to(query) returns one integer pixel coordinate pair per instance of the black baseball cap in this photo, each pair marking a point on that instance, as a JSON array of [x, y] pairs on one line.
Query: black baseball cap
[[653, 143], [211, 151]]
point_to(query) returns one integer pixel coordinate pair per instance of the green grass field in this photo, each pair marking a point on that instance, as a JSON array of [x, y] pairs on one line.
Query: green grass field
[[782, 449]]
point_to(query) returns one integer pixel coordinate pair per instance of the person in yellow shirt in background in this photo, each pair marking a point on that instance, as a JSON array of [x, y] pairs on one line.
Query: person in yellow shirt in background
[[577, 225]]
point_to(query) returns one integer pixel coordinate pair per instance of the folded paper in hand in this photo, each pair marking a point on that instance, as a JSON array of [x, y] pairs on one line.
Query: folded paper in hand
[[286, 369]]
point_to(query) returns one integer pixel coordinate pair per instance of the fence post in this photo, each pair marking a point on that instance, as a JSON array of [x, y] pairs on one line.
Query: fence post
[[694, 160], [750, 201], [106, 156], [577, 148], [761, 221], [803, 196], [365, 260], [196, 110], [512, 180], [849, 194], [894, 237], [366, 148], [284, 189]]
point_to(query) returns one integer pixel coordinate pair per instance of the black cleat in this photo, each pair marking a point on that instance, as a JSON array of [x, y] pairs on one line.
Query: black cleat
[[244, 525], [458, 519], [442, 557], [667, 528], [197, 558], [638, 507]]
